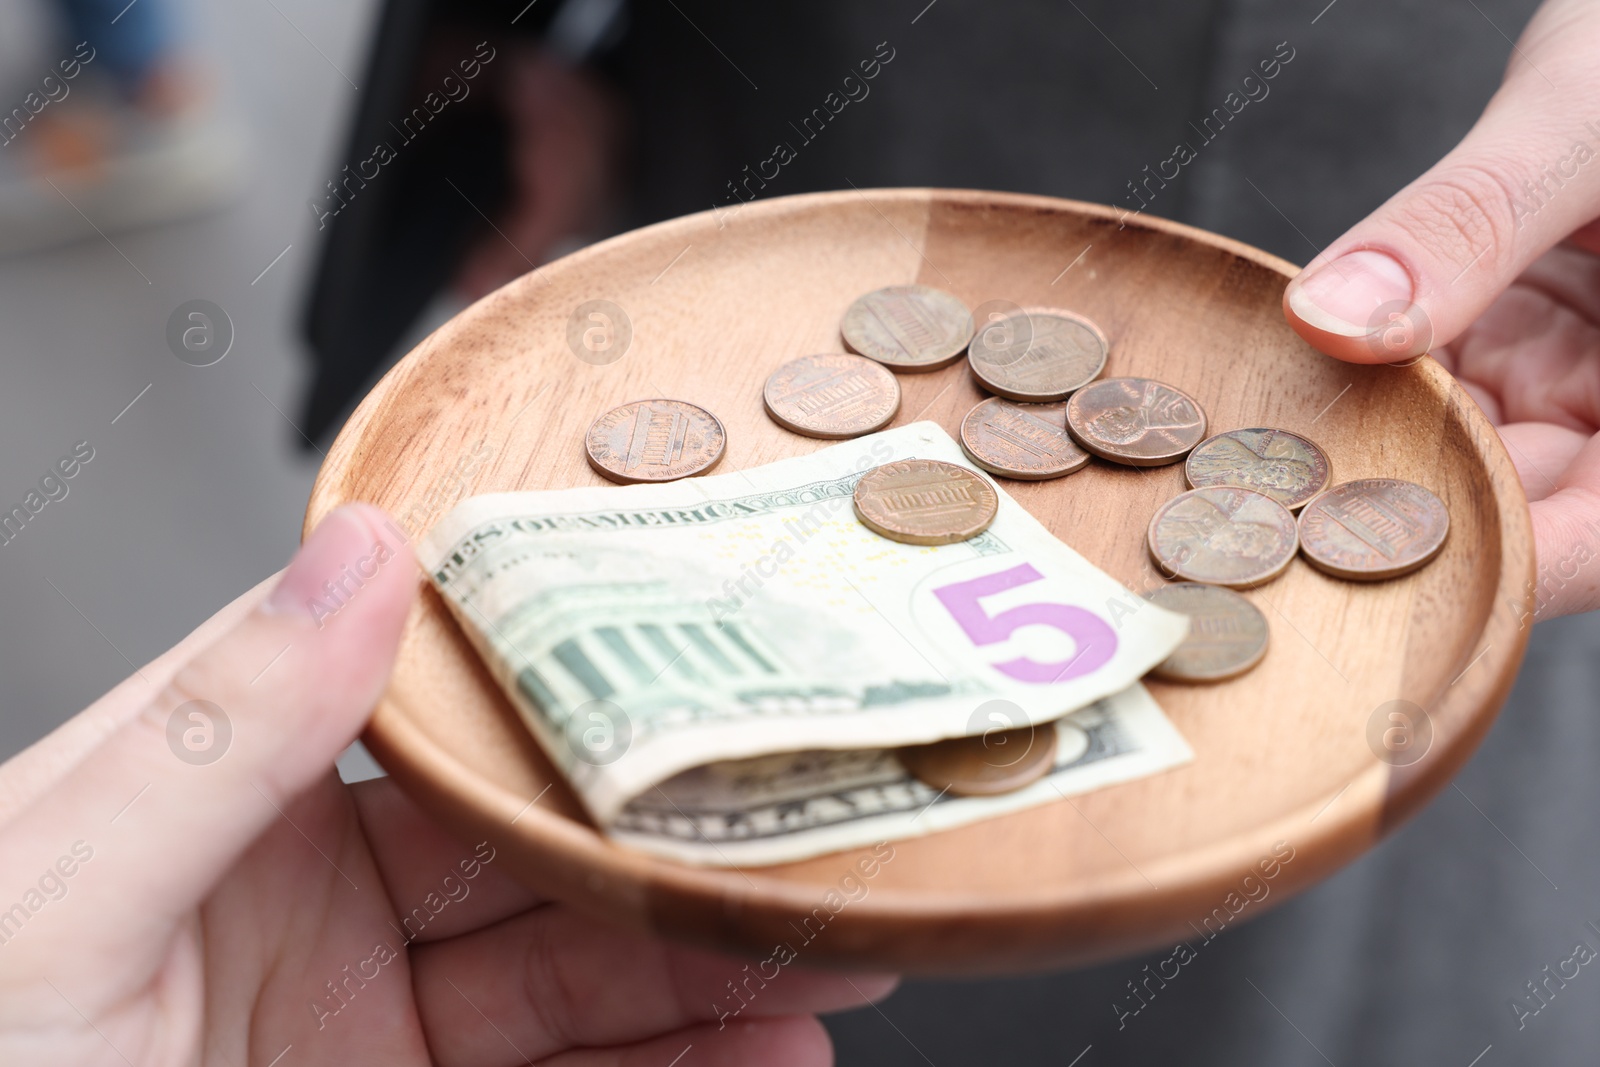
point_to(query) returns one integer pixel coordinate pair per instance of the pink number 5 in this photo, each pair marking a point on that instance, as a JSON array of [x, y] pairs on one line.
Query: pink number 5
[[1095, 640]]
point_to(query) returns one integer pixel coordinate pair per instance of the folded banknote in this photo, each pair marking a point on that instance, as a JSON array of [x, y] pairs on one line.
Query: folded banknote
[[649, 633]]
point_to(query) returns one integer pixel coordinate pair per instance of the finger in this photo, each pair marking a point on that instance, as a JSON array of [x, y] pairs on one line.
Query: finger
[[552, 979], [163, 807], [1531, 356], [26, 776], [1569, 277], [1423, 266], [1541, 452], [798, 1041], [1566, 527], [439, 886]]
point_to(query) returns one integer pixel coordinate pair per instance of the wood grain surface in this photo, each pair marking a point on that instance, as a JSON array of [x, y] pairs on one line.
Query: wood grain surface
[[496, 400]]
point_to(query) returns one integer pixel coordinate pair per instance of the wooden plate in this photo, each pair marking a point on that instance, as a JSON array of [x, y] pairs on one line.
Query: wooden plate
[[497, 400]]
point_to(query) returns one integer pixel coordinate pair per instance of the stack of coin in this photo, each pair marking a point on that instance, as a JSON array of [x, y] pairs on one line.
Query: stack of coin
[[1031, 360], [1364, 530], [928, 502], [1050, 414], [1236, 528], [905, 328]]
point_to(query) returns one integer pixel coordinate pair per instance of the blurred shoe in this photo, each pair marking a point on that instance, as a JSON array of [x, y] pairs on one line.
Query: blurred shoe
[[98, 162]]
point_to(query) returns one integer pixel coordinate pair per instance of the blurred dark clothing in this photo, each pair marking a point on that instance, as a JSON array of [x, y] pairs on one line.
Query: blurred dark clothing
[[1067, 99], [1415, 953]]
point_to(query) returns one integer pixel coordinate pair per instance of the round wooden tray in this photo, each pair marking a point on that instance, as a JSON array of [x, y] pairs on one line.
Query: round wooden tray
[[497, 400]]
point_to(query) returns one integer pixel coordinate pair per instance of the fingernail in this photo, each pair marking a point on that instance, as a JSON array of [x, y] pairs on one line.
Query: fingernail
[[1343, 297], [342, 538]]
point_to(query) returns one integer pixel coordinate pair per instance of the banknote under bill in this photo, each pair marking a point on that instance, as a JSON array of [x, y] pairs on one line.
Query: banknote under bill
[[774, 809], [651, 630]]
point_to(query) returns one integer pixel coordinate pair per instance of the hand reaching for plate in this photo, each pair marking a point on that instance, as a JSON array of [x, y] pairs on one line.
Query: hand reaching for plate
[[183, 878]]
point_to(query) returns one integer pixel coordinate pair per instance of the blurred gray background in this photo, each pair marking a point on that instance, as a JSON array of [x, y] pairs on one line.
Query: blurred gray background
[[195, 493]]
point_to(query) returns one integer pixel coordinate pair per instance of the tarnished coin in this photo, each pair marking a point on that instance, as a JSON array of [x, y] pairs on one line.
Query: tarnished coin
[[1223, 535], [908, 327], [1038, 355], [654, 441], [832, 396], [1227, 633], [1026, 441], [1373, 528], [1275, 463], [1136, 421], [999, 761], [925, 502]]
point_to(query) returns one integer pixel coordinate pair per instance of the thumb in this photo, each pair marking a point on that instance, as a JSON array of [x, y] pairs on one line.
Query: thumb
[[1425, 265], [165, 805]]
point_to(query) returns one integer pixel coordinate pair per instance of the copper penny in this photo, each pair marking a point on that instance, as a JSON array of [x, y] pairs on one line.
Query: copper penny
[[1135, 421], [908, 327], [999, 761], [1373, 528], [1227, 633], [925, 502], [654, 441], [1276, 463], [1038, 355], [1026, 441], [1223, 535], [832, 396]]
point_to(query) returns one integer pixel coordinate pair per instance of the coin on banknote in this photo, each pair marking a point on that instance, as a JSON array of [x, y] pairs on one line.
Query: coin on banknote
[[908, 327], [1135, 421], [832, 396], [1283, 465], [1373, 528], [1223, 535], [999, 761], [925, 502], [654, 441], [1026, 441], [1038, 355], [1227, 633]]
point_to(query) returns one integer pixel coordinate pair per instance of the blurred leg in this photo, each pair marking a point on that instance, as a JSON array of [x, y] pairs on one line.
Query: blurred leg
[[131, 40]]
